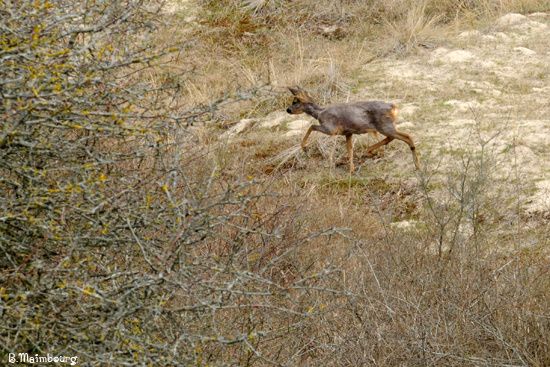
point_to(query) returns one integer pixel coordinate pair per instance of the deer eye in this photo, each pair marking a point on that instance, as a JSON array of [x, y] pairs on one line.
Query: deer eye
[[295, 101]]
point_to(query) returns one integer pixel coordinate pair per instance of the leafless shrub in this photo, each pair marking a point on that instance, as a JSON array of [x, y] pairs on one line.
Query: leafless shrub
[[123, 243], [445, 291]]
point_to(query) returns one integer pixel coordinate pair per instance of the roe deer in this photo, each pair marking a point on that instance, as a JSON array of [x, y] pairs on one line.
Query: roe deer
[[351, 118]]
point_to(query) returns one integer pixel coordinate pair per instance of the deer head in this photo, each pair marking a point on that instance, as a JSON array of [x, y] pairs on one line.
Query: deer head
[[301, 98]]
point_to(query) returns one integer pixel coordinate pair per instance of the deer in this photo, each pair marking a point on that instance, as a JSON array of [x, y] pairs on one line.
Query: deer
[[348, 119]]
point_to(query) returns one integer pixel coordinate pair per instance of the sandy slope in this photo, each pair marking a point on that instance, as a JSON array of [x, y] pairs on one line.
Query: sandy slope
[[493, 82], [487, 88]]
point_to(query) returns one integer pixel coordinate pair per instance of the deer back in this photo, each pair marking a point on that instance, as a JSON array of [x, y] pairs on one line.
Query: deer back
[[358, 117]]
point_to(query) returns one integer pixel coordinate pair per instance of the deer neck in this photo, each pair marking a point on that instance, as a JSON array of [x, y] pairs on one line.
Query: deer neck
[[313, 110]]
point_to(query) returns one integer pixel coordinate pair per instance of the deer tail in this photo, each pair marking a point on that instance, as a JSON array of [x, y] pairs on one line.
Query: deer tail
[[393, 112]]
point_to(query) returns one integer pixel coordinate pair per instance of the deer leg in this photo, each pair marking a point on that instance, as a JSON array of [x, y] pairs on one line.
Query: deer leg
[[349, 146], [304, 140], [381, 143], [407, 139], [374, 135], [319, 128]]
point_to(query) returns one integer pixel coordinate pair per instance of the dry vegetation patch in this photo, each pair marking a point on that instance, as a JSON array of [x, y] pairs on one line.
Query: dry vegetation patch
[[476, 102], [157, 208]]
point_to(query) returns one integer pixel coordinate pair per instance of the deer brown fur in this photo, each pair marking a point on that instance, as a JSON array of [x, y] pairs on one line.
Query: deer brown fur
[[351, 118]]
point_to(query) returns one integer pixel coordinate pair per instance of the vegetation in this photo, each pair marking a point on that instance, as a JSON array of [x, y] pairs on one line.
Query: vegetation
[[133, 233]]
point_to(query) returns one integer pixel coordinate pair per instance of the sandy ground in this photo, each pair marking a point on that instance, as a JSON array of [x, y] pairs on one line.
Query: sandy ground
[[483, 89], [487, 85]]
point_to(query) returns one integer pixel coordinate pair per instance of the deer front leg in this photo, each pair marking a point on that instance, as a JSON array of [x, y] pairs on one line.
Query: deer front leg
[[349, 146], [304, 140], [321, 128]]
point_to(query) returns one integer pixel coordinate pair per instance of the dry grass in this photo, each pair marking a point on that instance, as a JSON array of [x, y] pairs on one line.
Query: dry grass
[[192, 246], [318, 44], [437, 269], [393, 299]]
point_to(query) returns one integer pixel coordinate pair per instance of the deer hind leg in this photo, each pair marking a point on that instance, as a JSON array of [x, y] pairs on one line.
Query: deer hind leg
[[407, 139], [381, 143], [349, 146], [374, 135]]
